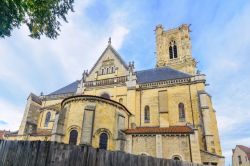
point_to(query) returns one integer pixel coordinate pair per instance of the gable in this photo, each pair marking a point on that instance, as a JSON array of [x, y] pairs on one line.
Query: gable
[[109, 65]]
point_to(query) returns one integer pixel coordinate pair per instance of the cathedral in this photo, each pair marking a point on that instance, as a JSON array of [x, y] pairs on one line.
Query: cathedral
[[163, 112]]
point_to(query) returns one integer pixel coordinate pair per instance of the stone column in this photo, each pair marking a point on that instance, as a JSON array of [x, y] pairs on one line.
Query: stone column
[[195, 147], [129, 144], [31, 114], [87, 125], [204, 104], [59, 126], [158, 146], [54, 135]]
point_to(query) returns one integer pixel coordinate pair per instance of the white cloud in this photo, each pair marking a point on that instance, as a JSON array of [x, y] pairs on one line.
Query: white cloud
[[225, 53], [11, 67], [27, 65], [224, 50], [118, 35], [11, 114]]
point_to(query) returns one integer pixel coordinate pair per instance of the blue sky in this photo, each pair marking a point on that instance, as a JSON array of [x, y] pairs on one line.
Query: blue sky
[[220, 40]]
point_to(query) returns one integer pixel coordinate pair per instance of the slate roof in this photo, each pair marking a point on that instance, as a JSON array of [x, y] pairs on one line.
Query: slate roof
[[71, 88], [35, 98], [143, 76], [160, 130], [159, 74]]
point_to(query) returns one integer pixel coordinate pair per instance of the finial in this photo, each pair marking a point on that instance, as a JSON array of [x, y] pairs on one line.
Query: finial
[[109, 40], [85, 73]]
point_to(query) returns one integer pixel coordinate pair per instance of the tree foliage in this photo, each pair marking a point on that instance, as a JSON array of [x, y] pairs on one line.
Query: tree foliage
[[41, 16]]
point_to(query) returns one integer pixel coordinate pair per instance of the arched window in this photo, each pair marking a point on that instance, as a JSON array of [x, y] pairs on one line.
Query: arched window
[[146, 114], [105, 95], [47, 119], [170, 52], [181, 112], [107, 70], [103, 142], [73, 137], [102, 71], [144, 154], [173, 50], [176, 157], [121, 100]]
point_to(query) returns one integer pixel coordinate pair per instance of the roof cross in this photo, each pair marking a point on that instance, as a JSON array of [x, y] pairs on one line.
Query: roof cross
[[109, 40]]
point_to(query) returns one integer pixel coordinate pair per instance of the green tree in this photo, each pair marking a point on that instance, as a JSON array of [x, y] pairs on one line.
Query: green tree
[[41, 16]]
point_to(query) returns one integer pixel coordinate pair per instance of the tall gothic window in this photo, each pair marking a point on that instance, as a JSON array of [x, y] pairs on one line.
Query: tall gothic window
[[73, 137], [47, 119], [146, 114], [181, 112], [112, 69], [103, 142], [172, 50]]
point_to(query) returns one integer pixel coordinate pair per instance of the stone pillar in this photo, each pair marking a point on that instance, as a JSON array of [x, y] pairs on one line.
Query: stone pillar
[[120, 136], [131, 89], [195, 147], [163, 108], [58, 130], [131, 100], [158, 146], [129, 144], [132, 122], [159, 44], [87, 125], [54, 136], [205, 110], [31, 113]]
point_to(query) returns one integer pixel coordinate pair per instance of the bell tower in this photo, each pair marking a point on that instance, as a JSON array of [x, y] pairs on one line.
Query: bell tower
[[174, 49]]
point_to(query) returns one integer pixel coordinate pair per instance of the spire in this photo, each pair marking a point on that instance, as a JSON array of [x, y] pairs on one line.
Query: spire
[[109, 42]]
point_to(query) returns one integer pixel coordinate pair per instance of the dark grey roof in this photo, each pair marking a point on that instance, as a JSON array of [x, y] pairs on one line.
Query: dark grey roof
[[159, 74], [71, 88], [35, 98], [144, 76]]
